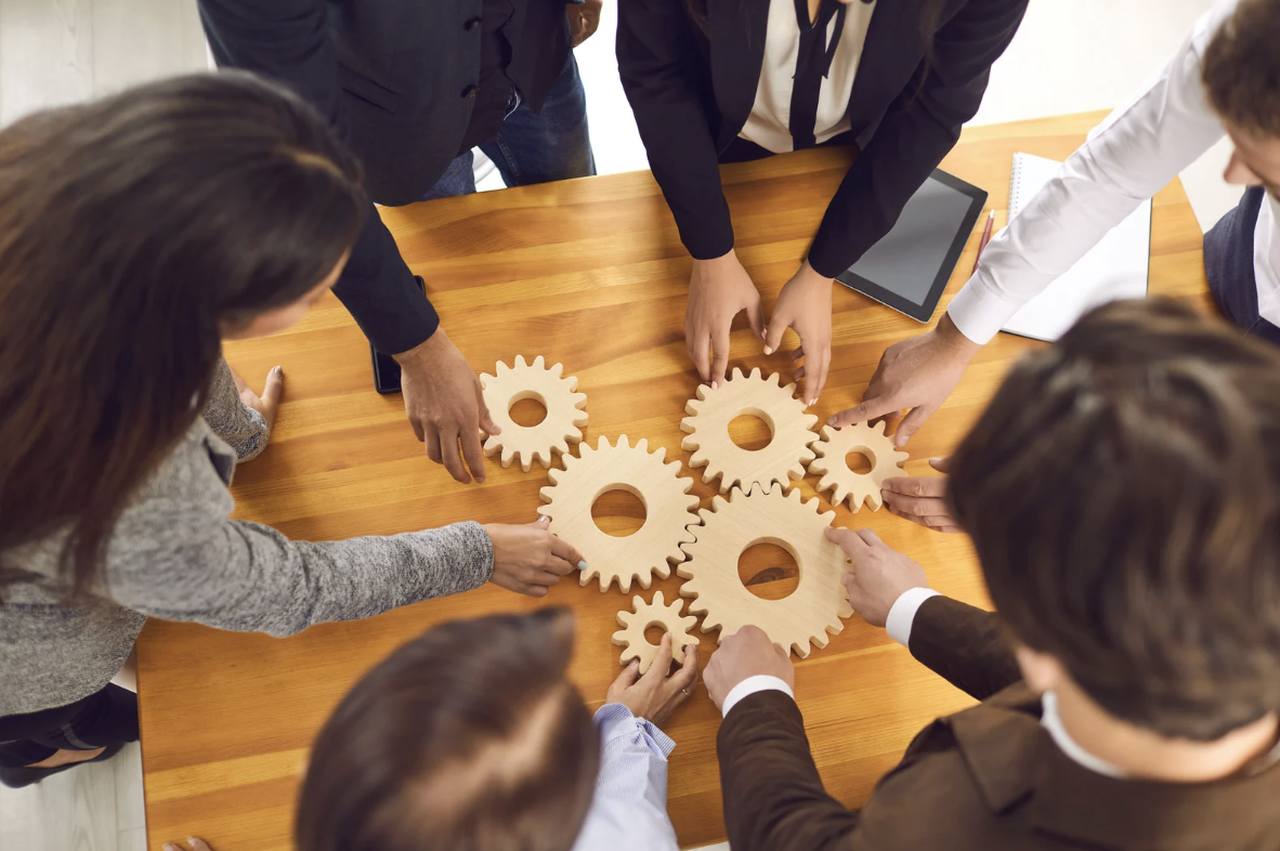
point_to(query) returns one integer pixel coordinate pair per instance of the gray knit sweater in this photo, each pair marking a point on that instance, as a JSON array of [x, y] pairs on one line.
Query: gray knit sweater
[[174, 554]]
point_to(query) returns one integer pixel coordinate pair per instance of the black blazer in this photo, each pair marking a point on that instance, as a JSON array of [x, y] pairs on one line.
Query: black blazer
[[692, 87]]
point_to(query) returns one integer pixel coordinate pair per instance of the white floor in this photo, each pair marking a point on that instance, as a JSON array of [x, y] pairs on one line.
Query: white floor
[[1068, 57]]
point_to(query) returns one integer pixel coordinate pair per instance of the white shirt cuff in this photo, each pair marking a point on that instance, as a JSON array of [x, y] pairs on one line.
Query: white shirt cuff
[[903, 613], [979, 311], [751, 685]]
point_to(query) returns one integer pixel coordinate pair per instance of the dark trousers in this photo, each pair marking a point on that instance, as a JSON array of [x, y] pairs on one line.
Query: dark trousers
[[103, 719], [1228, 263]]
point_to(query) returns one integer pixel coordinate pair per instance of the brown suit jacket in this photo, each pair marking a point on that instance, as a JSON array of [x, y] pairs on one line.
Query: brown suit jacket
[[985, 779]]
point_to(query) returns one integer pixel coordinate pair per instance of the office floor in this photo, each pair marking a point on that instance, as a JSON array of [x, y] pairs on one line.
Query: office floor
[[1089, 54]]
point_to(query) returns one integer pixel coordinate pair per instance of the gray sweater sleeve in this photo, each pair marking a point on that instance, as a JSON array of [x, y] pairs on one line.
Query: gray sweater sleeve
[[175, 554], [243, 428]]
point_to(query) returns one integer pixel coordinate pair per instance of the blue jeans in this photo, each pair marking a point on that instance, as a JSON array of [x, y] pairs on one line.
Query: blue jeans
[[532, 147]]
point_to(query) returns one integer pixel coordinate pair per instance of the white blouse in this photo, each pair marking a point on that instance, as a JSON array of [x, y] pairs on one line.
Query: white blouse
[[769, 124]]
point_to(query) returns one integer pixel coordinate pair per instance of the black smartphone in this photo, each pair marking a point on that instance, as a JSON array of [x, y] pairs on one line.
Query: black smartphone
[[386, 372]]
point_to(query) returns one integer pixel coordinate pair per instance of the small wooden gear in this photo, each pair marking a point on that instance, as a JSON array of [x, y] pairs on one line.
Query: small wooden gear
[[840, 479], [766, 516], [644, 615], [782, 460], [669, 509], [561, 426]]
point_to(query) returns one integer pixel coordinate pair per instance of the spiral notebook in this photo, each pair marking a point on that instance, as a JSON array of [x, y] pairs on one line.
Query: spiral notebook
[[1115, 268]]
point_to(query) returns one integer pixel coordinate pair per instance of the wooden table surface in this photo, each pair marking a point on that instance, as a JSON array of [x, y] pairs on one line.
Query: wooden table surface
[[591, 273]]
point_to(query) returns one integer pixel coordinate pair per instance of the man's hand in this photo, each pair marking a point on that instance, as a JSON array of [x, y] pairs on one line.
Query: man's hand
[[921, 499], [805, 305], [719, 290], [528, 559], [917, 373], [445, 406], [659, 691], [193, 843], [746, 653], [877, 574], [268, 404], [584, 19]]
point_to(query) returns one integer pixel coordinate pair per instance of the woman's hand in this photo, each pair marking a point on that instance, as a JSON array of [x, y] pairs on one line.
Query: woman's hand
[[193, 843], [268, 404], [528, 559], [921, 499], [877, 574], [719, 290], [805, 305], [658, 692]]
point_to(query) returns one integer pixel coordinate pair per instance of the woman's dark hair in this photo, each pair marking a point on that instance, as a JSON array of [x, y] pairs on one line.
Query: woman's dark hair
[[1123, 494], [468, 738], [131, 229]]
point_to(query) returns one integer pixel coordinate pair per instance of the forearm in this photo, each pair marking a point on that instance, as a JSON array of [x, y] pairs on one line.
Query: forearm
[[964, 645], [244, 429]]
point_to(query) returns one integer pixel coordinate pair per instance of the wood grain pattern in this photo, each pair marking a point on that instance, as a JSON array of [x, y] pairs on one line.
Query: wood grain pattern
[[589, 273]]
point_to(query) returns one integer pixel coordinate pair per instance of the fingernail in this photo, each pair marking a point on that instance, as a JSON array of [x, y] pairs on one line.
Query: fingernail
[[715, 384], [768, 350], [812, 401], [582, 565]]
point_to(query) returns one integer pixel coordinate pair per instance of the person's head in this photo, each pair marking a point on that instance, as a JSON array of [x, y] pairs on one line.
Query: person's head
[[468, 738], [1241, 72], [135, 232], [1123, 493]]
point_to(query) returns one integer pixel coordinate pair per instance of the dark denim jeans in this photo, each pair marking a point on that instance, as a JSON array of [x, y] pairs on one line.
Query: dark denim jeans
[[532, 147]]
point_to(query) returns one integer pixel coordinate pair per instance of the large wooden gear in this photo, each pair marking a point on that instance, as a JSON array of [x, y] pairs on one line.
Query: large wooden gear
[[839, 478], [669, 509], [782, 460], [657, 613], [556, 392], [766, 516]]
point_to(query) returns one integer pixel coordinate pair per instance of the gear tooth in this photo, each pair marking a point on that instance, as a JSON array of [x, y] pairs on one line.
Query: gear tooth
[[737, 374], [520, 362], [637, 602], [658, 599], [643, 445], [774, 379], [485, 378], [700, 393], [539, 363], [688, 425], [556, 369], [755, 374]]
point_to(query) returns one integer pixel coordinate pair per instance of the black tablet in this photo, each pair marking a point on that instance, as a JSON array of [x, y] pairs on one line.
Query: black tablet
[[909, 268]]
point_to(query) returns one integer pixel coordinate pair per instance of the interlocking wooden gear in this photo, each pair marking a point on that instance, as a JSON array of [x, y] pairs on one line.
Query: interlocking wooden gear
[[780, 461], [644, 615], [766, 516], [840, 479], [669, 509], [561, 426]]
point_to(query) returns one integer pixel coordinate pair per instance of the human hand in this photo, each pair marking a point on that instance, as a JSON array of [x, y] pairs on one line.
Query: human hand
[[746, 653], [584, 19], [805, 305], [659, 691], [268, 404], [877, 574], [921, 499], [719, 290], [528, 559], [193, 843], [445, 405], [917, 373]]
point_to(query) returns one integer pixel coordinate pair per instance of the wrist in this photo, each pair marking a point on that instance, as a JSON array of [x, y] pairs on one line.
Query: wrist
[[729, 258], [809, 273], [424, 352], [952, 339]]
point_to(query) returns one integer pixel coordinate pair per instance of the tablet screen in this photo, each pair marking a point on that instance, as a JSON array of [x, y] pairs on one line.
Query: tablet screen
[[909, 268]]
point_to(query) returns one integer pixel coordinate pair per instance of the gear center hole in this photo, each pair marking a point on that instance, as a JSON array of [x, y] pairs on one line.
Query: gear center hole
[[860, 460], [768, 570], [653, 633], [619, 512], [527, 409], [751, 430]]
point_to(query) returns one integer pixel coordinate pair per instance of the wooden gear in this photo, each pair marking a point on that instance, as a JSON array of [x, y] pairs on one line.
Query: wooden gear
[[561, 426], [644, 615], [843, 482], [782, 460], [767, 516], [669, 509]]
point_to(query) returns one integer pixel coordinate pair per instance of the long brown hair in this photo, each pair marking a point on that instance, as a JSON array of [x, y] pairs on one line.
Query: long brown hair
[[468, 738], [130, 228]]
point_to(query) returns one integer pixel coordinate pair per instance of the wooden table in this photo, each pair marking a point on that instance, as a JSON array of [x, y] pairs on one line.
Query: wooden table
[[591, 273]]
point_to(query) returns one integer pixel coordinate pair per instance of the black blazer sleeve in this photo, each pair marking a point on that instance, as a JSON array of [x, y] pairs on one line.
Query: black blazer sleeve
[[667, 84], [289, 41], [965, 645], [919, 128], [773, 796]]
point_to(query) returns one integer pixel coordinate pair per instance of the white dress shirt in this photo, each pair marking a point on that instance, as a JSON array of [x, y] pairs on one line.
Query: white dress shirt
[[1127, 159], [769, 124]]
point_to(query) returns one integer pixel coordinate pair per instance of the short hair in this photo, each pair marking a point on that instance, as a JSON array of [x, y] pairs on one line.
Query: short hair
[[468, 738], [1123, 494], [1241, 67]]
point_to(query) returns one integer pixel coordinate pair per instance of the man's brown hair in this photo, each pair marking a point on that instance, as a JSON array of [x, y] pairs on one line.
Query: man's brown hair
[[1241, 67], [468, 738], [1123, 493]]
